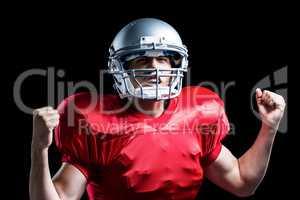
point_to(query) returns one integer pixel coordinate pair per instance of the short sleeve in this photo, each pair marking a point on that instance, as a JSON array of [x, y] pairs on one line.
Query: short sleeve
[[211, 141], [70, 140]]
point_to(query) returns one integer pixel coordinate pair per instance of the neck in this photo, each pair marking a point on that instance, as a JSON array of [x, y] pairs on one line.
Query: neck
[[153, 108]]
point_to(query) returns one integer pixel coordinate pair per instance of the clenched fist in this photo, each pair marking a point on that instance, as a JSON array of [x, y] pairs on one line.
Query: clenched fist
[[44, 121], [271, 107]]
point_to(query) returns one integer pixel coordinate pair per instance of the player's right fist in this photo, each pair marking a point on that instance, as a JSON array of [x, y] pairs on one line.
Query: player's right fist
[[44, 121]]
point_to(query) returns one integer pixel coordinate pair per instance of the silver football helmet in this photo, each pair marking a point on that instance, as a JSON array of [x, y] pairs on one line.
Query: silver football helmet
[[151, 38]]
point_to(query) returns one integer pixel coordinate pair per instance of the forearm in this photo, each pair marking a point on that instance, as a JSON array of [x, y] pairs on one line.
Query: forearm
[[40, 183], [253, 164]]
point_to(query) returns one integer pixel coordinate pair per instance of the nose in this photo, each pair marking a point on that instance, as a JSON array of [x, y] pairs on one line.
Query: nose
[[152, 63]]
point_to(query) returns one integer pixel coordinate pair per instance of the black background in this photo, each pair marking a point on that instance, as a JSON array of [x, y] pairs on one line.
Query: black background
[[241, 43]]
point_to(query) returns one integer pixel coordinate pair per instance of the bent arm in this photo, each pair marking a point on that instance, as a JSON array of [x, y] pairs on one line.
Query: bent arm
[[40, 183], [68, 183], [242, 176]]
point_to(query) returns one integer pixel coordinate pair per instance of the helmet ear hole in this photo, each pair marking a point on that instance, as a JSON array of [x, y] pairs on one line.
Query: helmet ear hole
[[126, 65]]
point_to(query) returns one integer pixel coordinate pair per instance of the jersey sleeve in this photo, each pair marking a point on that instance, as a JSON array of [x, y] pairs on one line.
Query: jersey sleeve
[[213, 135], [70, 139]]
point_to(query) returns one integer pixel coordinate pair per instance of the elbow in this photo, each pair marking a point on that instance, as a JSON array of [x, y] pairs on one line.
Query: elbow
[[245, 193], [248, 185]]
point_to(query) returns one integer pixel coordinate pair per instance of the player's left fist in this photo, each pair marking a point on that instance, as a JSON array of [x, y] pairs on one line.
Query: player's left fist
[[271, 107]]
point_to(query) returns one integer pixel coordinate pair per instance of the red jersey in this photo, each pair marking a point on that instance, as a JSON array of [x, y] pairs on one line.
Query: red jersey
[[125, 154]]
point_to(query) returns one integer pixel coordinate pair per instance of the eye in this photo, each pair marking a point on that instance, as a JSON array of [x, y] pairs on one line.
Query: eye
[[140, 61], [163, 59], [137, 63]]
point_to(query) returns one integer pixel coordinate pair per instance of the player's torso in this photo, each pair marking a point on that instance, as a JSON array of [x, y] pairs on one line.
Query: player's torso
[[151, 158]]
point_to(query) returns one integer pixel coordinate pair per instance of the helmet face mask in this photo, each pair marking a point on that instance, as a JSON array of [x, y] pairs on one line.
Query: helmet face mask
[[147, 38]]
